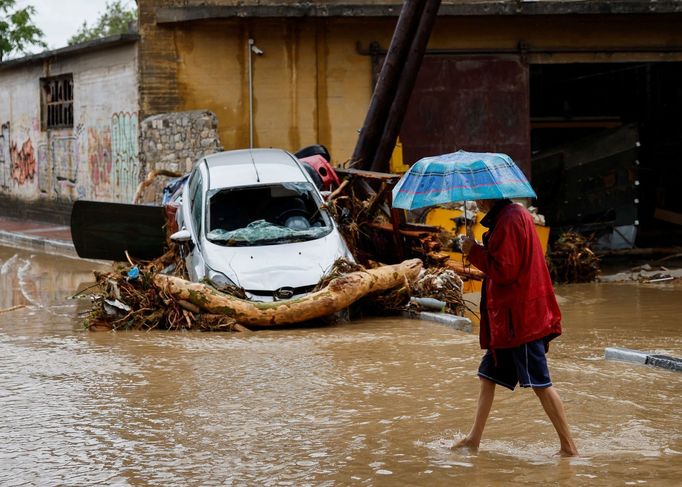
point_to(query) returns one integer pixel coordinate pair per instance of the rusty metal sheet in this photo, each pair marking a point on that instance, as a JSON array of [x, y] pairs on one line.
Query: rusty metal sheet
[[474, 103]]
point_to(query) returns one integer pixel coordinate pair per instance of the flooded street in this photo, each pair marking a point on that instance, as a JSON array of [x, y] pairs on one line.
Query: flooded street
[[376, 402]]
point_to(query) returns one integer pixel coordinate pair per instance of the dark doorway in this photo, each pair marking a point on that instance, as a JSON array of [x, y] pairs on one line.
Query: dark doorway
[[596, 108]]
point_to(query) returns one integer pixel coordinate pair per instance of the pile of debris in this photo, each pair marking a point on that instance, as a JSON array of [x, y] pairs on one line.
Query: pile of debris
[[389, 254], [645, 273], [571, 260], [375, 232], [141, 297], [128, 300]]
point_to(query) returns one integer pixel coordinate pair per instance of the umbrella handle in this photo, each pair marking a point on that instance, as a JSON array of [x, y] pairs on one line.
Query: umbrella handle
[[467, 227], [469, 233]]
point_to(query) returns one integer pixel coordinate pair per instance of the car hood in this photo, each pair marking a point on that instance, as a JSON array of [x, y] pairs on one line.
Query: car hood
[[270, 267]]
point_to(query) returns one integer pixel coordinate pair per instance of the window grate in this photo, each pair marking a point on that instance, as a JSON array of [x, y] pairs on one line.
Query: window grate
[[57, 102]]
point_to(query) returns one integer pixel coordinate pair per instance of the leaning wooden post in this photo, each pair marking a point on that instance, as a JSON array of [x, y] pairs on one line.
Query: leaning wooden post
[[385, 89], [407, 80]]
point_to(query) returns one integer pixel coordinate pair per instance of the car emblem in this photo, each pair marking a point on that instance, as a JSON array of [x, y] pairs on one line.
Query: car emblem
[[284, 293]]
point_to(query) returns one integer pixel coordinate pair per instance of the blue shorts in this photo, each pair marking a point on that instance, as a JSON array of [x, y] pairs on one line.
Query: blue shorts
[[525, 365]]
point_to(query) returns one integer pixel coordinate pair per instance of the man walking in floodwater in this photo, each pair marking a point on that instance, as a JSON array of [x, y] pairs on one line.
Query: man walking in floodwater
[[519, 316]]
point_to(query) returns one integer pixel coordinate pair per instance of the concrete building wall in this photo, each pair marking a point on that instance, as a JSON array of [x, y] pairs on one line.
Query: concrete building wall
[[20, 137], [95, 159]]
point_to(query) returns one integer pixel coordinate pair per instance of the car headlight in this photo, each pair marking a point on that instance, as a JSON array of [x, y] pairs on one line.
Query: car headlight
[[219, 280]]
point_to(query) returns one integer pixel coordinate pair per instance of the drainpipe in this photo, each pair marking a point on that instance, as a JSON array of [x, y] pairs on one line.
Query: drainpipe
[[253, 49]]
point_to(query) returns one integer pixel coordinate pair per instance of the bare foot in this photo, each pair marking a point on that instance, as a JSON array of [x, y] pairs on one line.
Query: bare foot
[[466, 442], [571, 452]]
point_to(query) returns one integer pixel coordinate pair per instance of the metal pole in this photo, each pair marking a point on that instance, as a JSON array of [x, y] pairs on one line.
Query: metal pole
[[407, 80], [385, 88], [250, 45]]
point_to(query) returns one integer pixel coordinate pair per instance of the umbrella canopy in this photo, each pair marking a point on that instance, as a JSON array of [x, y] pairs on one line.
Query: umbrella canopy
[[460, 176]]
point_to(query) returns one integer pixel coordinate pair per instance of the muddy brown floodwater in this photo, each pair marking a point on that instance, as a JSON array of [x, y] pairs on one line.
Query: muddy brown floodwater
[[375, 402]]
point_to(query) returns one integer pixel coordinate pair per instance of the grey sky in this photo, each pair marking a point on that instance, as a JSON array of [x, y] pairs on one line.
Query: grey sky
[[60, 19]]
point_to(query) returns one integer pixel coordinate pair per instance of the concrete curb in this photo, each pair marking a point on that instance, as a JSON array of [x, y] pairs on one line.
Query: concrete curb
[[457, 322], [40, 244], [625, 355], [637, 357]]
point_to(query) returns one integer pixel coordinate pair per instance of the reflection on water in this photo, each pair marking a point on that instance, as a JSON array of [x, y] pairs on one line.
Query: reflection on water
[[377, 402]]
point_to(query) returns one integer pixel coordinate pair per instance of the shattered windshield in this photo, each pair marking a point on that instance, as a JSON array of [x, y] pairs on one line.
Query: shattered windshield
[[266, 215]]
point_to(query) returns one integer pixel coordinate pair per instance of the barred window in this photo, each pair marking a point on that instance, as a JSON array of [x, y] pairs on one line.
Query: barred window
[[57, 102]]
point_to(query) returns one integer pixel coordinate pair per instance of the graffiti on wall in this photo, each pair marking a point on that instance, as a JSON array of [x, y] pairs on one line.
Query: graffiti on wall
[[125, 155], [99, 160], [17, 162], [4, 156], [23, 161], [58, 163]]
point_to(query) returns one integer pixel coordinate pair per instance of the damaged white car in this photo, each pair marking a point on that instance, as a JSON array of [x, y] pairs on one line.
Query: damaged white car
[[255, 219]]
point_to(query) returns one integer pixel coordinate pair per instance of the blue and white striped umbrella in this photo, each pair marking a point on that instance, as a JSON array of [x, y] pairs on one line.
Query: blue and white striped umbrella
[[460, 176]]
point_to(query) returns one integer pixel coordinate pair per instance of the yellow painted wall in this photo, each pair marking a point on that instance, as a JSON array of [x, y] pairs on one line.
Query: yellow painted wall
[[312, 86], [209, 76]]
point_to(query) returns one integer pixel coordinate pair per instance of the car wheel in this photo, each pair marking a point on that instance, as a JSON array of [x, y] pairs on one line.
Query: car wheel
[[314, 150]]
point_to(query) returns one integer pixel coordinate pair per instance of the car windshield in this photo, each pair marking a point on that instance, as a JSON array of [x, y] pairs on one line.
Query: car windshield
[[266, 215]]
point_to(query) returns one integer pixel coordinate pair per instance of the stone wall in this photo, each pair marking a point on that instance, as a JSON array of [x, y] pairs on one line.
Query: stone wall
[[174, 142]]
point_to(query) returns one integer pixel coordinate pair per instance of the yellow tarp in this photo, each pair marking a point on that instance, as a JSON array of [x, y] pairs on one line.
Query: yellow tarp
[[445, 218]]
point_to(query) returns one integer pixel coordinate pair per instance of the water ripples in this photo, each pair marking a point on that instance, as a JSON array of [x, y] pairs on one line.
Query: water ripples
[[377, 402]]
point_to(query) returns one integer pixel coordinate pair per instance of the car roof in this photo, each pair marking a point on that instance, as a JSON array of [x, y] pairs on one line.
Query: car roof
[[247, 167]]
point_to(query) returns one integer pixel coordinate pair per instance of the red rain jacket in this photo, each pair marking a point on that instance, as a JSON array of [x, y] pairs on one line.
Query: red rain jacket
[[518, 305]]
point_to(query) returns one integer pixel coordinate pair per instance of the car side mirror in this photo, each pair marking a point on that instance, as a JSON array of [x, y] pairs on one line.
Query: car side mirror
[[181, 236]]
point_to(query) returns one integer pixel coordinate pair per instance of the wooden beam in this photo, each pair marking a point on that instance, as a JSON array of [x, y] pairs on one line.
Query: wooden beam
[[387, 84], [378, 176], [406, 232], [370, 193], [408, 79], [378, 198], [668, 216]]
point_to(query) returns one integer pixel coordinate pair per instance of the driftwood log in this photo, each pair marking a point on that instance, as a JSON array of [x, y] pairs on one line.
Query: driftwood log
[[150, 179], [339, 294], [468, 270]]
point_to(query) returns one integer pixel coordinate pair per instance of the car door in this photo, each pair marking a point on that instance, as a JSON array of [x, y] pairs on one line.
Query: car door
[[193, 213]]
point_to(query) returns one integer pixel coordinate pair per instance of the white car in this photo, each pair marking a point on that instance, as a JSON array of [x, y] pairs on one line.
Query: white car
[[254, 218]]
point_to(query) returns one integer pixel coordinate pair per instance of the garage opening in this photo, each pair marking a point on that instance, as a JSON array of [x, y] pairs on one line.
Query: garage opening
[[606, 143]]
